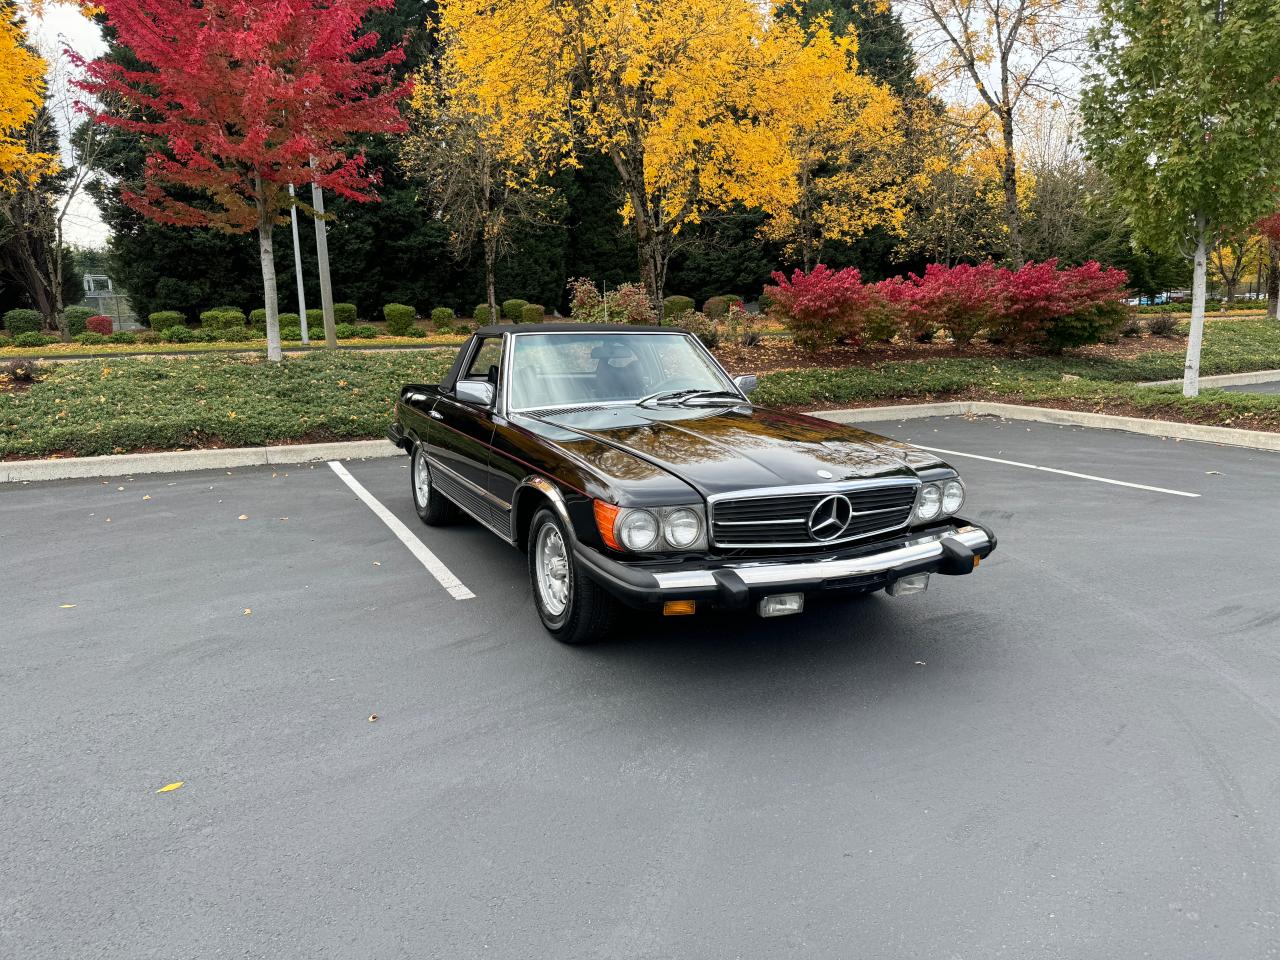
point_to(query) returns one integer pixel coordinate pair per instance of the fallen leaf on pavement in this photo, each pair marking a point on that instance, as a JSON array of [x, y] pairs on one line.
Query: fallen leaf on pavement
[[377, 563], [373, 717], [1213, 473], [68, 606], [247, 611], [147, 497], [244, 516], [171, 786]]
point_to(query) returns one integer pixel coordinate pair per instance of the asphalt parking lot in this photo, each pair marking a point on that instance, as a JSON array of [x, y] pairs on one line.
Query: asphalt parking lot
[[1070, 754], [1270, 386]]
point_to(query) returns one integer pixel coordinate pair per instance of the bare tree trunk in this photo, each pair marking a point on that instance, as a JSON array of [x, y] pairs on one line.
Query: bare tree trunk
[[1273, 280], [1191, 372], [490, 273], [266, 224], [1009, 180]]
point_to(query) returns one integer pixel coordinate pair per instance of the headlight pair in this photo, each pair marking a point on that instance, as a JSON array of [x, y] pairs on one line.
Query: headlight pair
[[939, 500], [641, 530]]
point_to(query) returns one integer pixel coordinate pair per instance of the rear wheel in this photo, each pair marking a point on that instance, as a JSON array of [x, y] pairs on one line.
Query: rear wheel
[[433, 509], [573, 608]]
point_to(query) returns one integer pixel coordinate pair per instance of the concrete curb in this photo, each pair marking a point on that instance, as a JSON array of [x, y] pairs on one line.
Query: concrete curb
[[1253, 439], [1222, 379], [129, 464]]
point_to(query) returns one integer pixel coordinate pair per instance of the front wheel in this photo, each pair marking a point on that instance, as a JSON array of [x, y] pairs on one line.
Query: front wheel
[[573, 608], [433, 509]]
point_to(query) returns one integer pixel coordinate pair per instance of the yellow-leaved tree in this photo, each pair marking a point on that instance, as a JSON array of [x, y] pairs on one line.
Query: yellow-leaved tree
[[699, 104], [21, 96]]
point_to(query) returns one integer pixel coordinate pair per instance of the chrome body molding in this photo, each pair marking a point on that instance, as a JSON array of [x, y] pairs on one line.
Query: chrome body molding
[[547, 489], [784, 572], [458, 501]]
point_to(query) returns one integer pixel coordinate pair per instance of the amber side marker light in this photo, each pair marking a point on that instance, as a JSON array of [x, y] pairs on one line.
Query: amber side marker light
[[679, 608], [606, 514], [976, 560]]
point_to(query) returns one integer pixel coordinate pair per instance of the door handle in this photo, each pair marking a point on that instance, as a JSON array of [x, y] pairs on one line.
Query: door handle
[[437, 415]]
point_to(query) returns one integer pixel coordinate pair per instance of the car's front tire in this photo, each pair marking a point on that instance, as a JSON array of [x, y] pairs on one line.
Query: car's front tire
[[573, 608], [433, 509]]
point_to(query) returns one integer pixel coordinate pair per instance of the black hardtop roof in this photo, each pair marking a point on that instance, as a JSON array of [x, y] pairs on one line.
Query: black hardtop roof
[[498, 329]]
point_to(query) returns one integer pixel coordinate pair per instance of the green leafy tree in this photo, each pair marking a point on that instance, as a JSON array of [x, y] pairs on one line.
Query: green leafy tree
[[1182, 112]]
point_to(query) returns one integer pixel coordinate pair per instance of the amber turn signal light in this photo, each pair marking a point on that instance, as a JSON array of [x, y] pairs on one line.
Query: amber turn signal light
[[679, 608], [606, 514]]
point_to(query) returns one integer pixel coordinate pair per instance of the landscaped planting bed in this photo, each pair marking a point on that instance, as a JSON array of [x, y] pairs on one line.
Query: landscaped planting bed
[[107, 406]]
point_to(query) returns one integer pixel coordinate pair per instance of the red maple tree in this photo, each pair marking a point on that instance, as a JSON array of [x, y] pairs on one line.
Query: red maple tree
[[237, 99]]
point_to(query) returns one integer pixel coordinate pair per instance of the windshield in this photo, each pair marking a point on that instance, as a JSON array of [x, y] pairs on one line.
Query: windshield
[[568, 369]]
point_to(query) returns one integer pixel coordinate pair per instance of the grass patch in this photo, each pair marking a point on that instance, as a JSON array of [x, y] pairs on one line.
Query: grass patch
[[95, 407], [53, 351]]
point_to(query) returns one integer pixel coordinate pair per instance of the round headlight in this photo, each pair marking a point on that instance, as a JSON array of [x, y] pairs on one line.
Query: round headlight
[[638, 530], [952, 496], [930, 503], [681, 528]]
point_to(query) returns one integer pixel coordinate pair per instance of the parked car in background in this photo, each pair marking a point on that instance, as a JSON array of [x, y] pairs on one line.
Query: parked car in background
[[635, 472]]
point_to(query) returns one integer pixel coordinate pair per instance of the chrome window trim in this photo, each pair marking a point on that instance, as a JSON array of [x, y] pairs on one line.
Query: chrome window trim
[[812, 489], [664, 331]]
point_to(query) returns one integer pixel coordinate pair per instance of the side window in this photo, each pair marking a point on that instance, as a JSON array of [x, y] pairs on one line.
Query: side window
[[486, 364]]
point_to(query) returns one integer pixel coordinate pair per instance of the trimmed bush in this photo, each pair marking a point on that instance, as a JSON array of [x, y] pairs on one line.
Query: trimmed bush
[[365, 332], [32, 338], [258, 317], [344, 313], [164, 319], [21, 321], [481, 313], [90, 339], [177, 334], [291, 330], [673, 306], [345, 331], [513, 309], [442, 315], [223, 318], [400, 318], [533, 313], [100, 324], [315, 319], [76, 318], [122, 336]]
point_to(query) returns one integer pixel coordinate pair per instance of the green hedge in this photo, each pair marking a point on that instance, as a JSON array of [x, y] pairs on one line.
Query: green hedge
[[513, 309], [443, 315], [32, 338], [673, 307], [481, 313], [718, 307], [21, 321], [164, 319], [90, 339], [77, 318], [222, 318], [258, 317], [344, 313], [533, 313], [400, 318]]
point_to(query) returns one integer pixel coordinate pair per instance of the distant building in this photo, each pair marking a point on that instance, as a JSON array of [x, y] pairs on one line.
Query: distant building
[[102, 296]]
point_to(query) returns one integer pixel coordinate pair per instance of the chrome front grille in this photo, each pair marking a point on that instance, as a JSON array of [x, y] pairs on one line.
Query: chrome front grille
[[780, 517]]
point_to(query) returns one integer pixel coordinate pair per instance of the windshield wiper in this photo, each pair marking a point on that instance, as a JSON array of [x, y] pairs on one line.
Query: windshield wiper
[[683, 396]]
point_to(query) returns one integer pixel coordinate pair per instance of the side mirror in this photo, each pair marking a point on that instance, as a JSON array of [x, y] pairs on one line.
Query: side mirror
[[478, 393], [747, 383]]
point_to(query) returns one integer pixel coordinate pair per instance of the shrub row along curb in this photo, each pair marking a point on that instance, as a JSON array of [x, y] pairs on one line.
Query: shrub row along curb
[[131, 464], [1253, 439]]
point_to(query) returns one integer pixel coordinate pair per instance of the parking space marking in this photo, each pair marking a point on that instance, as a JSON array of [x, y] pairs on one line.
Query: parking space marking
[[1065, 473], [428, 559]]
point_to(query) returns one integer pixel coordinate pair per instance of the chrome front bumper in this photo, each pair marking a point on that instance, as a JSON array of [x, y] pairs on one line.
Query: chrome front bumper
[[952, 551], [782, 573]]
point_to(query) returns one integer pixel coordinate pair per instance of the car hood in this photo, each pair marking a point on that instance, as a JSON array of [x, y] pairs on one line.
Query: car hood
[[717, 449]]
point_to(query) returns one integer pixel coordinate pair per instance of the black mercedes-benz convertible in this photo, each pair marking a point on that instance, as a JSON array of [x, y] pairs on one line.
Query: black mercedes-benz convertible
[[635, 471]]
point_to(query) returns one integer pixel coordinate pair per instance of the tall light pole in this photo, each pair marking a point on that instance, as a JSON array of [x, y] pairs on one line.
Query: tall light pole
[[297, 270], [322, 255]]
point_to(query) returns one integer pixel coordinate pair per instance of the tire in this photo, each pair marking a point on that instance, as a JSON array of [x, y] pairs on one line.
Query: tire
[[572, 607], [433, 509]]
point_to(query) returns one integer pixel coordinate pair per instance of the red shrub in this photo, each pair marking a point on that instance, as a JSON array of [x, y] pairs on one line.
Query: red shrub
[[1042, 306], [99, 324], [962, 299], [825, 306]]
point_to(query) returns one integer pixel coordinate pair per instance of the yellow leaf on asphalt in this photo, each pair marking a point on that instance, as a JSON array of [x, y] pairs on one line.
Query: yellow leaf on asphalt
[[68, 606], [171, 786], [247, 611], [244, 516], [147, 497]]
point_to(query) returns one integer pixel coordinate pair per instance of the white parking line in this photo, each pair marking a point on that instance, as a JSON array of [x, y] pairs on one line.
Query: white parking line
[[428, 559], [1065, 473]]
